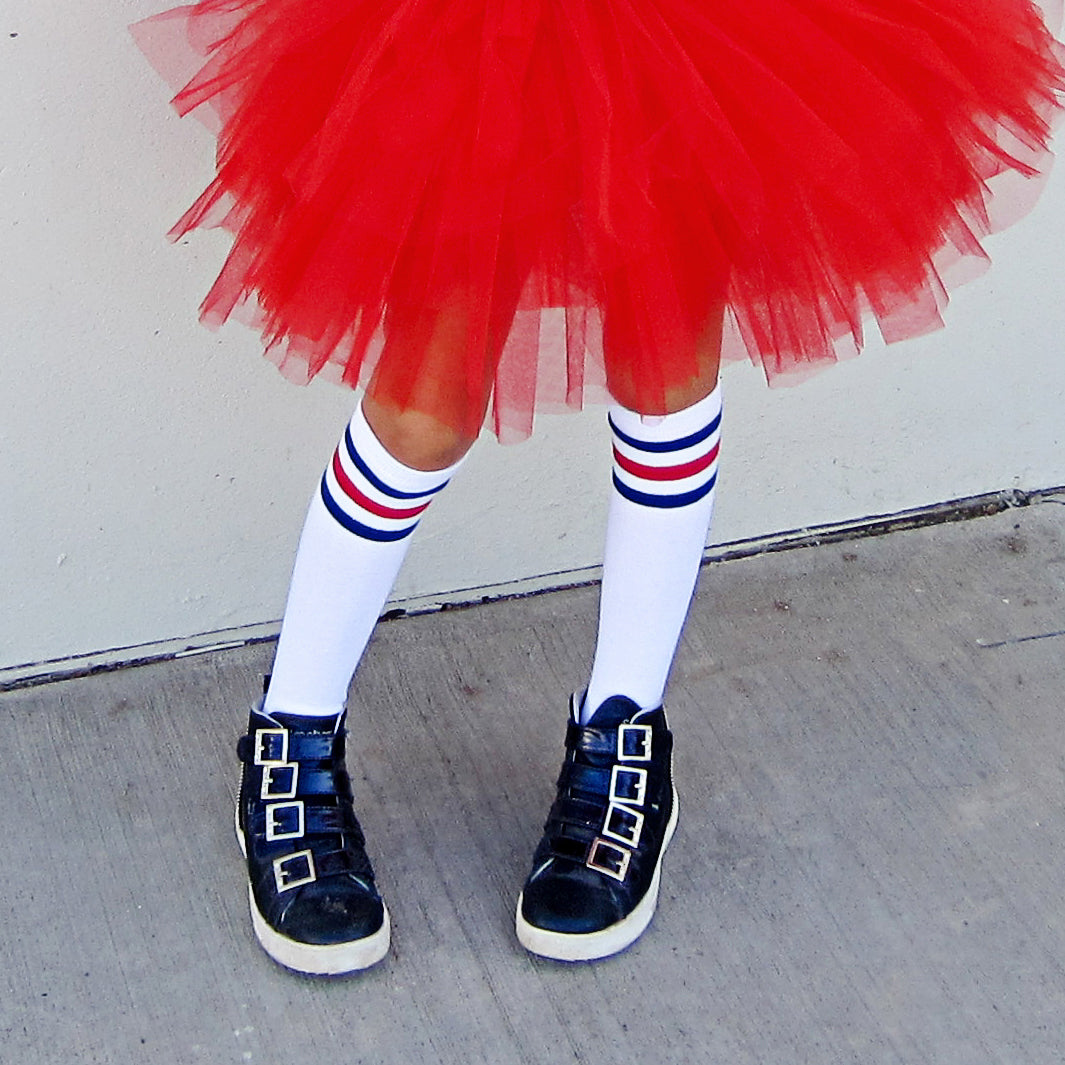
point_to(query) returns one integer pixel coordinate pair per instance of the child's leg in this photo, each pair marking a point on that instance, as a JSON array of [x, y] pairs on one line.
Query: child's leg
[[595, 878], [664, 477], [314, 904], [384, 473]]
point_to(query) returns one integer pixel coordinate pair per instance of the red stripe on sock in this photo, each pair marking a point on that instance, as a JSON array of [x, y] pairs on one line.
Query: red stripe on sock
[[666, 473], [364, 501]]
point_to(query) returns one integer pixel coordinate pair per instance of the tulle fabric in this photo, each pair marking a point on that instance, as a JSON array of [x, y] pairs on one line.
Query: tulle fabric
[[547, 197]]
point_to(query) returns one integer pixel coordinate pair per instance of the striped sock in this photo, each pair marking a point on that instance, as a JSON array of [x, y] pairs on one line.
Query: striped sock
[[665, 472], [354, 540], [365, 504]]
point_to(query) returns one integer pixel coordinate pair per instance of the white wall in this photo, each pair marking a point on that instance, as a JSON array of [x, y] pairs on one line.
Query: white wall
[[153, 474]]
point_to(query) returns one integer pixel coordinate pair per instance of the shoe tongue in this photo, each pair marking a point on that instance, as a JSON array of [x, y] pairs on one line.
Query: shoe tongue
[[613, 712]]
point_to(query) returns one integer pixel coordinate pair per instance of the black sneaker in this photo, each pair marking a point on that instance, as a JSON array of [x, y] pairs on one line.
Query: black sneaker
[[314, 906], [594, 882]]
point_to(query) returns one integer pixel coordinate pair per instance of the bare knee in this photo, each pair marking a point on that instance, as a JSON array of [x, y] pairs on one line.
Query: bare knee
[[417, 440], [674, 398], [632, 393]]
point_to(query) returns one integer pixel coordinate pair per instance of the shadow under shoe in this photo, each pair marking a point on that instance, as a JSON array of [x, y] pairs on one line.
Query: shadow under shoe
[[314, 905], [595, 878]]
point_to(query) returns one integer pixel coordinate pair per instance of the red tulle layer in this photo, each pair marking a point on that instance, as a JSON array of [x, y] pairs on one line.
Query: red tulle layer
[[547, 196]]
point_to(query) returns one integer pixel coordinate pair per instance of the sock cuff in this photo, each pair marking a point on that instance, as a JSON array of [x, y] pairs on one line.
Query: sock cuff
[[671, 461], [370, 493], [701, 419]]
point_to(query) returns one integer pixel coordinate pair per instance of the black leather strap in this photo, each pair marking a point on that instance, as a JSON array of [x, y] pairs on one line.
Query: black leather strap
[[302, 746]]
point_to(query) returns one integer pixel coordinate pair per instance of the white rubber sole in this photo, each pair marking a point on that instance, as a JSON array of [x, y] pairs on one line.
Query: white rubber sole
[[564, 946], [314, 959]]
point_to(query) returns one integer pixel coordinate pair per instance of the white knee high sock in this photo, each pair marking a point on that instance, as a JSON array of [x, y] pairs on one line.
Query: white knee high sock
[[665, 471], [354, 540]]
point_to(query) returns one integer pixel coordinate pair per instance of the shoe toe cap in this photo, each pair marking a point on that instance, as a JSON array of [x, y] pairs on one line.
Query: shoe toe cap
[[569, 898], [338, 912]]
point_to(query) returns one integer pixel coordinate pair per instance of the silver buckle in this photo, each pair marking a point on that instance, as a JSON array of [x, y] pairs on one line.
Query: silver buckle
[[628, 785], [267, 789], [609, 858], [275, 826], [263, 738], [623, 824], [634, 743], [282, 874]]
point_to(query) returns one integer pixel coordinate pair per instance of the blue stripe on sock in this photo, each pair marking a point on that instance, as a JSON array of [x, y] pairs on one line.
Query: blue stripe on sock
[[645, 499], [667, 445], [376, 481], [357, 527]]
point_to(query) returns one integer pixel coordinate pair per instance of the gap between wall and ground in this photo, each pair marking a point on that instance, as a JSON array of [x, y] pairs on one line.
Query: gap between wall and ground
[[45, 672]]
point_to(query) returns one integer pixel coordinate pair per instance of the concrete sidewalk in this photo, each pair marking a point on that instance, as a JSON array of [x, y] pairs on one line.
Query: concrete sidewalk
[[868, 869]]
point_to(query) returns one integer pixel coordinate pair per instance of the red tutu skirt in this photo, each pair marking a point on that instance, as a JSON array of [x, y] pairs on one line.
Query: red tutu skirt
[[548, 196]]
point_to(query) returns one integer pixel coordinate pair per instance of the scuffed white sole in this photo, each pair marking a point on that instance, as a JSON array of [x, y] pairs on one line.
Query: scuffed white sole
[[314, 959], [590, 946]]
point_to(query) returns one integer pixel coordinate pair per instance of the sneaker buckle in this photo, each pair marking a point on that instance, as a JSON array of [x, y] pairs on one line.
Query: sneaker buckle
[[279, 822], [634, 743], [274, 780], [628, 785], [623, 824], [267, 742], [609, 858], [287, 878]]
